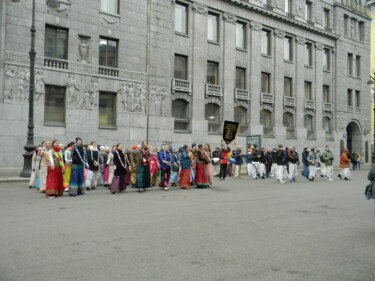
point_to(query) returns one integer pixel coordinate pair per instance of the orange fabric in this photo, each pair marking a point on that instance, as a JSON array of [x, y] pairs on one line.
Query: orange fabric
[[344, 160]]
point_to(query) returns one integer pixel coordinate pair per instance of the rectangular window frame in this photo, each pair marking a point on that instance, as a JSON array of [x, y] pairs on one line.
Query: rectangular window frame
[[266, 42], [308, 94], [240, 78], [357, 65], [349, 97], [326, 59], [113, 110], [213, 38], [288, 48], [350, 64], [308, 54], [186, 67], [265, 83], [53, 90], [326, 94], [53, 30], [288, 87], [241, 33], [216, 64], [185, 20], [106, 57], [357, 99], [108, 10]]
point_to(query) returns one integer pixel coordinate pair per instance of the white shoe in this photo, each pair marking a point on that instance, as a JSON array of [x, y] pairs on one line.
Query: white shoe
[[282, 181], [330, 179], [51, 197]]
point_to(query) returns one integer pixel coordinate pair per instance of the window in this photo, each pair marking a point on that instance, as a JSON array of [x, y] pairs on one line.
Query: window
[[180, 112], [108, 52], [180, 18], [288, 122], [350, 64], [288, 48], [56, 43], [54, 104], [240, 35], [266, 42], [353, 28], [326, 18], [326, 94], [212, 114], [212, 27], [350, 97], [357, 99], [308, 54], [240, 116], [327, 124], [288, 92], [309, 125], [308, 92], [180, 67], [326, 59], [308, 11], [107, 109], [361, 28], [358, 66], [288, 6], [346, 25], [266, 121], [265, 83], [212, 73], [240, 78], [109, 6]]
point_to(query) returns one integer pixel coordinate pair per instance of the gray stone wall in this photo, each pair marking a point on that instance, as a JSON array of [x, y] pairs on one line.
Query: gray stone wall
[[86, 23]]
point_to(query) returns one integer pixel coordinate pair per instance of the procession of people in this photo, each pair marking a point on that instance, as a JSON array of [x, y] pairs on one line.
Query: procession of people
[[77, 168]]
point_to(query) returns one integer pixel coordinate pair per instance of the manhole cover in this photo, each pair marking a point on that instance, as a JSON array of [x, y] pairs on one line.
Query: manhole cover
[[174, 197]]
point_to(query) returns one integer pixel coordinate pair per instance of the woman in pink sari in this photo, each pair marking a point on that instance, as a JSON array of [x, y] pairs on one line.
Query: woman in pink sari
[[154, 168], [208, 168]]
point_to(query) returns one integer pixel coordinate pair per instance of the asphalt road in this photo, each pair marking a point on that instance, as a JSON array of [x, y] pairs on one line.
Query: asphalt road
[[236, 230]]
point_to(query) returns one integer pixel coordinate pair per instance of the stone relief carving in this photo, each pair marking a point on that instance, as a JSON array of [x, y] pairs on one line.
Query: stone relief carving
[[159, 99], [16, 85], [319, 46], [90, 96], [74, 91], [39, 85], [300, 40], [300, 8], [279, 4], [279, 33], [84, 49], [132, 97], [318, 10], [256, 26], [199, 8], [229, 18]]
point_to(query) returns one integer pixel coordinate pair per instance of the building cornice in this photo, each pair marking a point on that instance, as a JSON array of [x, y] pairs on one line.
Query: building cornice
[[284, 18], [337, 4]]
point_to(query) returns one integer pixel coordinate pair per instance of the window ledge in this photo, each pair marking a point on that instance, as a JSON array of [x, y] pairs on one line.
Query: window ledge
[[288, 61], [182, 131], [266, 56], [308, 66], [213, 42], [107, 127], [181, 34], [110, 14], [241, 50], [327, 70], [54, 124], [268, 137], [213, 133]]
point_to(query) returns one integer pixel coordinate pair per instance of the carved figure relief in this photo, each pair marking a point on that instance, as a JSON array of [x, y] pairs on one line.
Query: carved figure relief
[[84, 50], [159, 102], [39, 85], [90, 96], [74, 97], [318, 10], [300, 8], [16, 85], [279, 4], [132, 97]]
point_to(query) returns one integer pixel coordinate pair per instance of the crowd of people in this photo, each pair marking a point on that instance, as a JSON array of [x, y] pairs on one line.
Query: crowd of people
[[77, 168]]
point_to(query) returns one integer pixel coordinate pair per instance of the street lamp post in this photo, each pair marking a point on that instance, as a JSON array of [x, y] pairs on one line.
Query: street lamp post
[[372, 82], [29, 147]]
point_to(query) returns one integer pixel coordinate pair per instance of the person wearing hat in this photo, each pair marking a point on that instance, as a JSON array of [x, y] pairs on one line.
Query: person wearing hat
[[79, 162], [175, 167], [313, 160], [185, 167], [249, 161], [344, 165], [237, 155], [166, 163], [143, 174]]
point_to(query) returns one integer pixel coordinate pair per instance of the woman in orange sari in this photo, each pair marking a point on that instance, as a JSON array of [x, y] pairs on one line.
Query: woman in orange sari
[[200, 178], [185, 167]]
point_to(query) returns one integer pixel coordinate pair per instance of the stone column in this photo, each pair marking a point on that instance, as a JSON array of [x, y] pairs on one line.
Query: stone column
[[301, 132], [255, 81], [229, 65], [318, 87], [278, 83]]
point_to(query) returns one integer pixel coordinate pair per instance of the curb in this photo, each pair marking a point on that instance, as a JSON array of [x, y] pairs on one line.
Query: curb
[[3, 180]]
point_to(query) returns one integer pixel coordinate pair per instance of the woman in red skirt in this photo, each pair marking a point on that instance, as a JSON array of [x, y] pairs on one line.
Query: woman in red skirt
[[55, 181], [200, 178]]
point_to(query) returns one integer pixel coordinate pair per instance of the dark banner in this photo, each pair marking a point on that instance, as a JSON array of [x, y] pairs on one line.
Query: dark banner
[[230, 131]]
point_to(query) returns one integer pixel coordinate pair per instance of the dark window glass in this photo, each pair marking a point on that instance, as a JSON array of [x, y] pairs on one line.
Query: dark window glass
[[350, 97], [240, 115], [56, 43], [357, 98], [288, 120], [54, 109], [288, 90], [350, 64], [180, 67], [107, 109], [240, 78], [180, 111], [108, 52], [265, 83], [308, 92], [212, 112], [212, 73], [326, 94]]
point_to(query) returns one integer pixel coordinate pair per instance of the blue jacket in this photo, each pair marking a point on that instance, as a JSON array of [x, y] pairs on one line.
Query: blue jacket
[[165, 156], [238, 157], [249, 158]]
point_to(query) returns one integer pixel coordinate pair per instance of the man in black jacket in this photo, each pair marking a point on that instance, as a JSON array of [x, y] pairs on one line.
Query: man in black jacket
[[280, 161]]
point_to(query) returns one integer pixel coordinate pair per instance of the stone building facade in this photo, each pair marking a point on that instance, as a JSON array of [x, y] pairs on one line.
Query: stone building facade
[[292, 72]]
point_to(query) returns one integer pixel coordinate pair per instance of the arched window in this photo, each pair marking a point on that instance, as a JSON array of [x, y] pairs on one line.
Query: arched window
[[309, 125], [327, 124], [266, 121], [240, 116], [180, 112], [212, 115], [288, 122]]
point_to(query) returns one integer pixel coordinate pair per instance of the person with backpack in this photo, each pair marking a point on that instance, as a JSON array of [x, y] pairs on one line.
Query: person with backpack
[[354, 160], [327, 159]]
